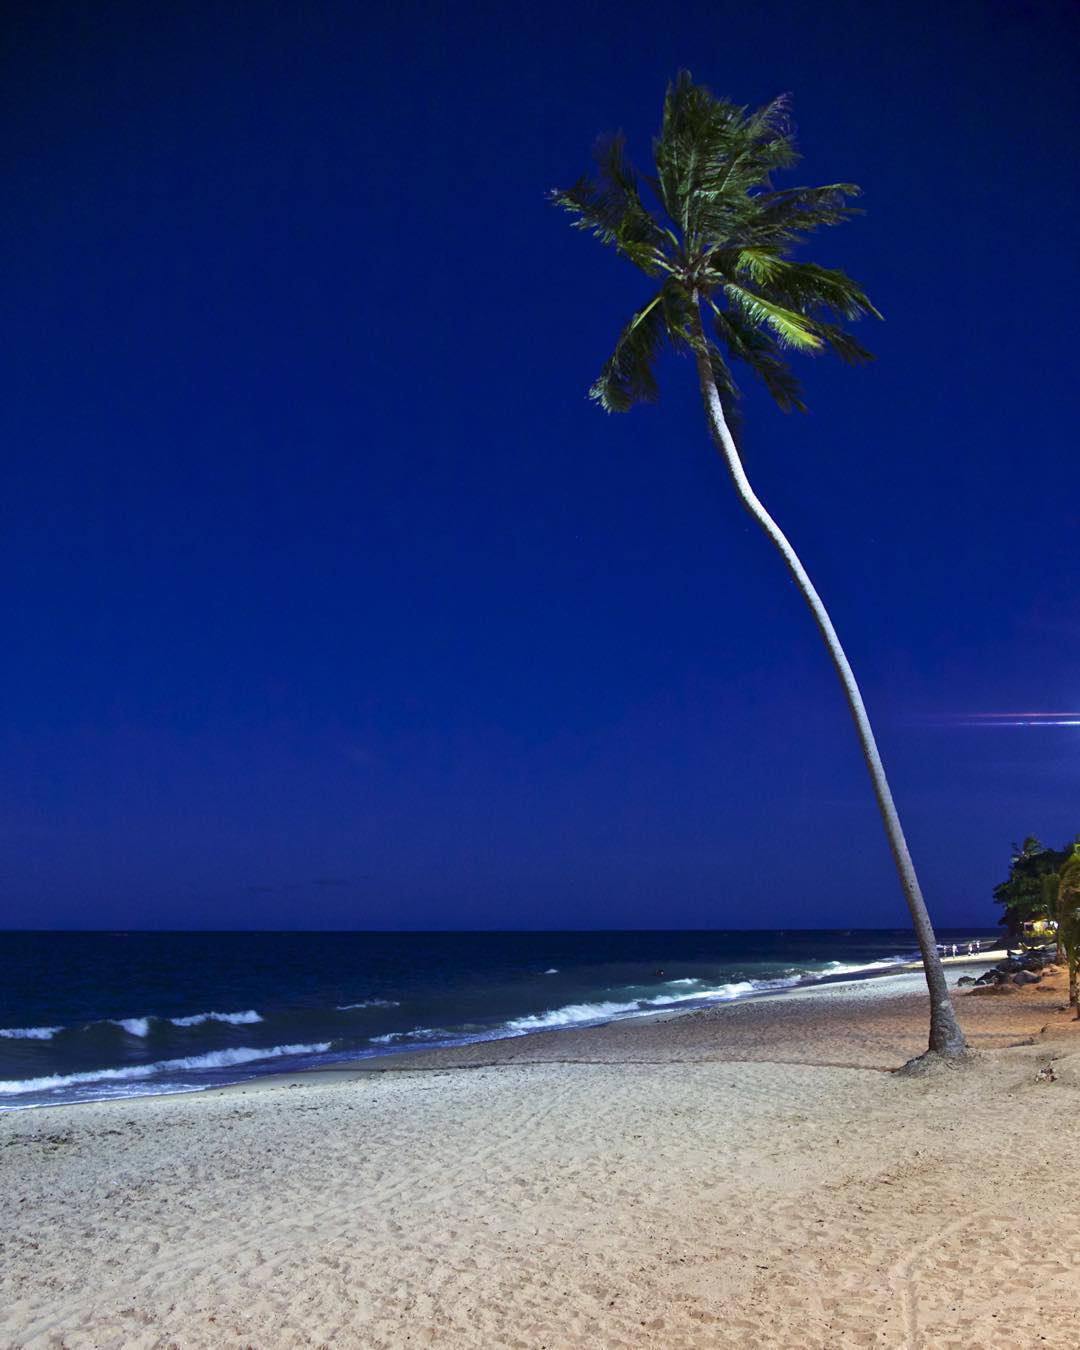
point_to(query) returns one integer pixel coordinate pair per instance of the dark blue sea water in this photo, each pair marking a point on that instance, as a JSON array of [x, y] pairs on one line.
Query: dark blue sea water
[[84, 1016]]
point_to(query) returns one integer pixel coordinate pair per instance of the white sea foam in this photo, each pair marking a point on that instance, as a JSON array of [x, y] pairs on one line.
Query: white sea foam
[[369, 1003], [236, 1019], [213, 1059], [417, 1034], [581, 1014], [29, 1033], [842, 968], [134, 1026], [573, 1014]]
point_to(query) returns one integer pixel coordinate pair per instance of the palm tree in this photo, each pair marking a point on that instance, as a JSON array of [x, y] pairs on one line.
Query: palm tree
[[710, 228], [1068, 917], [1049, 884]]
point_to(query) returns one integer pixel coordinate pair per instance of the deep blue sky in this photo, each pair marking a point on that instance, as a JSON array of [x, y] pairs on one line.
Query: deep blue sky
[[328, 598]]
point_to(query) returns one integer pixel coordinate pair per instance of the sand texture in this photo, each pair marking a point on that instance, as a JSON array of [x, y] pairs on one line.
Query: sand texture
[[732, 1178]]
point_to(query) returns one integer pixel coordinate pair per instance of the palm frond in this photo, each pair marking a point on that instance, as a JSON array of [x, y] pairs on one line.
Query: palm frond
[[710, 154], [611, 208], [784, 217], [761, 265], [772, 123], [759, 351], [814, 289], [791, 328], [628, 376], [847, 347], [805, 287], [678, 308]]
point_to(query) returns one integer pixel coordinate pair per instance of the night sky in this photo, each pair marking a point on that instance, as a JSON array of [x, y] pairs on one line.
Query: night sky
[[329, 600]]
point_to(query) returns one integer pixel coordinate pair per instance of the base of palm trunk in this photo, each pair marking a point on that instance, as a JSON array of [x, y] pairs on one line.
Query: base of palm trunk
[[933, 1062]]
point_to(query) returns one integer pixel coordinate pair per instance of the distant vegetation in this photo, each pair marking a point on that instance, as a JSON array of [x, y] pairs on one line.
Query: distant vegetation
[[1041, 885]]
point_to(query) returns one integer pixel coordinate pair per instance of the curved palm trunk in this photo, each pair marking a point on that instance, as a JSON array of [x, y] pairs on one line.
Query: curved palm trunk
[[945, 1035]]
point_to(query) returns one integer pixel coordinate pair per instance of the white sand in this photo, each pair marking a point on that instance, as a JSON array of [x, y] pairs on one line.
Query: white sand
[[667, 1187]]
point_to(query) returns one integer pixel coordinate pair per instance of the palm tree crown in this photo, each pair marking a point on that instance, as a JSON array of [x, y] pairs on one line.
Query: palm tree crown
[[718, 234]]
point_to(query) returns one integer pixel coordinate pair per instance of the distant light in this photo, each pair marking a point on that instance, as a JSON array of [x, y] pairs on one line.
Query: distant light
[[1015, 719], [1023, 714]]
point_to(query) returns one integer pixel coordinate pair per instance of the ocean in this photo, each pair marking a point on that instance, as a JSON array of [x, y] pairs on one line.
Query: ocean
[[87, 1016]]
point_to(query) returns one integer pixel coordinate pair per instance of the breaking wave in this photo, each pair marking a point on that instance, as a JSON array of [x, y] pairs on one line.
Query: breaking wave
[[213, 1059], [582, 1014], [140, 1027], [134, 1026], [236, 1019], [428, 1034], [586, 1014]]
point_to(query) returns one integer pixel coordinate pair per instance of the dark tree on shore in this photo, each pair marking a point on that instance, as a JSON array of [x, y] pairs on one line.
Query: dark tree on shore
[[716, 236], [1023, 895]]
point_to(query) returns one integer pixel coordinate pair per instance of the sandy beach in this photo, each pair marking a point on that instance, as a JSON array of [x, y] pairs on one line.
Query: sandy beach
[[751, 1175]]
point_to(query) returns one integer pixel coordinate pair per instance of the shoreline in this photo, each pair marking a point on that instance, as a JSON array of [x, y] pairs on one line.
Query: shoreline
[[905, 980], [421, 1056], [732, 1176]]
